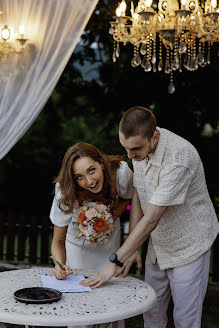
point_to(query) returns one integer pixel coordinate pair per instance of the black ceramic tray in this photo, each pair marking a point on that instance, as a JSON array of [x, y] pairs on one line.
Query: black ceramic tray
[[37, 295]]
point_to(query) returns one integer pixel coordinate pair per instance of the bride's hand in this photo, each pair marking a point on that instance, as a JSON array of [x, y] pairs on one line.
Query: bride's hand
[[101, 277], [61, 274]]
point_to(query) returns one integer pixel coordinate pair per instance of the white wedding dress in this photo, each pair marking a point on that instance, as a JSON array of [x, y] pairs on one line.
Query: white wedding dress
[[92, 256]]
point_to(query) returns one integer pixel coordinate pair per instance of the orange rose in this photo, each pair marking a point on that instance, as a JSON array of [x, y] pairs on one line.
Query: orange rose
[[100, 225], [81, 217]]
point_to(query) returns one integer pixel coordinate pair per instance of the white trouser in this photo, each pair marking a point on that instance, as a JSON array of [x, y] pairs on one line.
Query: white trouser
[[186, 284]]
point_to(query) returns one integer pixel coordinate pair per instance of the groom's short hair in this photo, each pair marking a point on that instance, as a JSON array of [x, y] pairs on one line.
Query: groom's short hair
[[138, 121]]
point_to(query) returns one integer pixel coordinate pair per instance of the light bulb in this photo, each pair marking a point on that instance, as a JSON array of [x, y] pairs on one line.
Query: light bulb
[[148, 3], [5, 33], [118, 12], [183, 2], [132, 9], [21, 29], [123, 6], [214, 3]]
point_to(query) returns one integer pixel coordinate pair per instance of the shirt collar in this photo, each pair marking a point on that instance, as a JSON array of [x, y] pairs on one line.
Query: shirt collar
[[157, 157]]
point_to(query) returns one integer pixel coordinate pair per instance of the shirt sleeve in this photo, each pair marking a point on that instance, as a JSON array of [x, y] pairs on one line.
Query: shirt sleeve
[[124, 181], [57, 216], [173, 186]]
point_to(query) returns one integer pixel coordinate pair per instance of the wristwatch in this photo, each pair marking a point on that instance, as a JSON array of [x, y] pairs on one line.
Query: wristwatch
[[113, 258]]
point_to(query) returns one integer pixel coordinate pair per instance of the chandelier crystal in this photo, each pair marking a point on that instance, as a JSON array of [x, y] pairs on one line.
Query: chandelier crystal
[[165, 36]]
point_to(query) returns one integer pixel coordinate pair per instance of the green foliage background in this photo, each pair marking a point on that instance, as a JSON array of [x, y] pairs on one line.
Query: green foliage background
[[89, 109]]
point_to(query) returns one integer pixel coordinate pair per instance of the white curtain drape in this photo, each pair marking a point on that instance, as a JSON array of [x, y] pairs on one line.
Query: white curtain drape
[[27, 78]]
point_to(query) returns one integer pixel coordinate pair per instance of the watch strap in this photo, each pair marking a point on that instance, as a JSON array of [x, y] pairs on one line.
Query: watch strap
[[113, 258]]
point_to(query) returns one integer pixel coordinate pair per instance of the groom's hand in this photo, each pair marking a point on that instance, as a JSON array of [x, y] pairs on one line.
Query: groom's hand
[[128, 263], [101, 277]]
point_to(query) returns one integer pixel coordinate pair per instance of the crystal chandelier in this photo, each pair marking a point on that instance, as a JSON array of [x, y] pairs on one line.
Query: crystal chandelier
[[167, 37]]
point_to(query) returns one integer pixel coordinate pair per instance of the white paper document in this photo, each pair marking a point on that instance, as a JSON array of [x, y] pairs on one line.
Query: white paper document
[[68, 285]]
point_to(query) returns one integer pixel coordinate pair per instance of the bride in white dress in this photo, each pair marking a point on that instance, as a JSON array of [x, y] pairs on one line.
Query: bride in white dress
[[87, 175]]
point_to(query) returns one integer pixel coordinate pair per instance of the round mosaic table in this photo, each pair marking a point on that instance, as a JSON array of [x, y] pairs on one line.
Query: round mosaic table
[[119, 298]]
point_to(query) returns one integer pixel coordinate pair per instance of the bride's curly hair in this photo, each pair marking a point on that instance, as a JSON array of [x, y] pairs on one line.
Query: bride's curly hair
[[72, 192]]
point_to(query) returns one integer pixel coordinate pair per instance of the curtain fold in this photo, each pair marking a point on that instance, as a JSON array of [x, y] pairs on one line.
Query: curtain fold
[[28, 77]]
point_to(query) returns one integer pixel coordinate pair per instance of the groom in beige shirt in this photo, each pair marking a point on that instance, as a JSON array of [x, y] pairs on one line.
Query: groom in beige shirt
[[171, 204]]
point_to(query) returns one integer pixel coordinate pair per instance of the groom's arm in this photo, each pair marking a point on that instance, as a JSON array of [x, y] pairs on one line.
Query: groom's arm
[[135, 216], [141, 231]]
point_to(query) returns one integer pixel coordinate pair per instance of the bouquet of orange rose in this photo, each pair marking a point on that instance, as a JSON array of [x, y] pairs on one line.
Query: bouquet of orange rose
[[95, 222]]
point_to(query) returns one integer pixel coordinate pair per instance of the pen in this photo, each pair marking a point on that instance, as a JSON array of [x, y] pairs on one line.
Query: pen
[[56, 261]]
